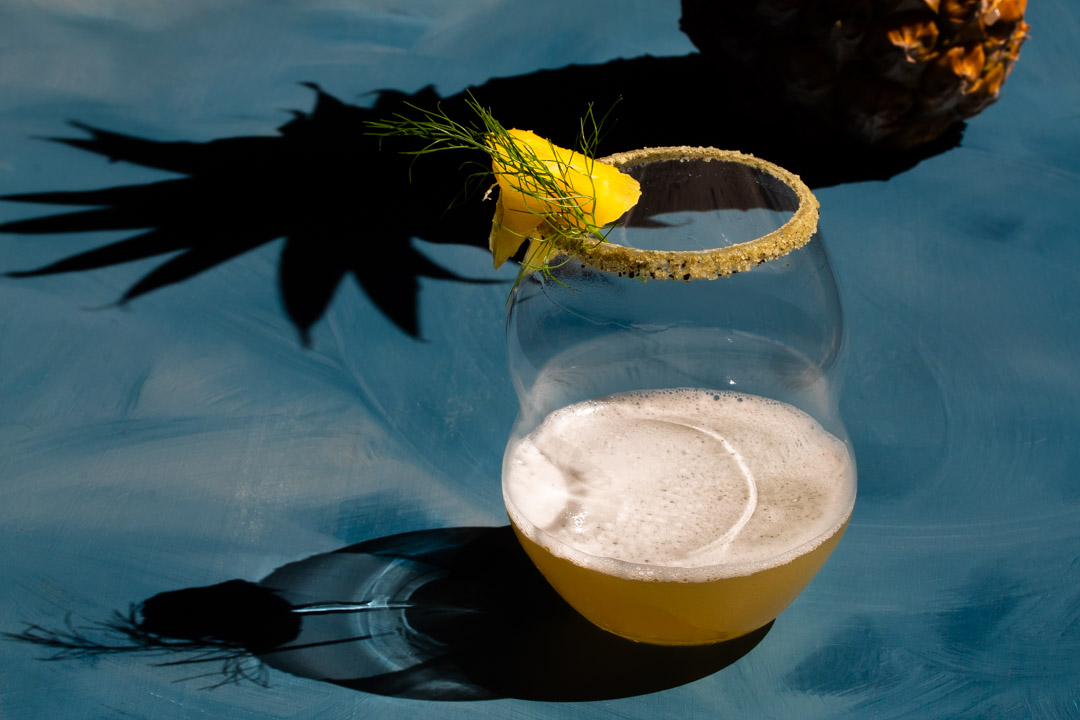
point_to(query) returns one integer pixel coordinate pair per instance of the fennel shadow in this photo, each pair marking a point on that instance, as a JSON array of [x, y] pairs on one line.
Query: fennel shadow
[[456, 614]]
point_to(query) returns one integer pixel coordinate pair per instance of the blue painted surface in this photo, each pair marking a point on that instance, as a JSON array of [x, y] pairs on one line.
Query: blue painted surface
[[189, 438]]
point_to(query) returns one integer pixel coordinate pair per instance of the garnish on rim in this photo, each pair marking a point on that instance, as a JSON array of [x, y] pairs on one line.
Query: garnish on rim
[[549, 195]]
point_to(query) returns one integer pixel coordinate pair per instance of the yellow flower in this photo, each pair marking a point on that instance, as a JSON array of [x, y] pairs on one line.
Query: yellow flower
[[539, 182]]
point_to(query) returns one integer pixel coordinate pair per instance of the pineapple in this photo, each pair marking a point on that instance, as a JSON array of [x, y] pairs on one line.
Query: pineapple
[[892, 72]]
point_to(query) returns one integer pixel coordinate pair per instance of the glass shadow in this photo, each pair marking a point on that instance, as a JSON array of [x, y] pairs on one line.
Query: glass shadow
[[461, 614], [453, 614]]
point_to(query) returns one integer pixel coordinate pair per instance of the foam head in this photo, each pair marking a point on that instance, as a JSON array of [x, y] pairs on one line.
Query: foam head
[[684, 479]]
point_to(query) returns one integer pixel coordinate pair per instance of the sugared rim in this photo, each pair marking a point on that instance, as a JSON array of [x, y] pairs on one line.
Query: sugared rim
[[705, 264]]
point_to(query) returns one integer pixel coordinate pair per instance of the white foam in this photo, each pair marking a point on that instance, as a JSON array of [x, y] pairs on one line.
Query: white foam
[[679, 478]]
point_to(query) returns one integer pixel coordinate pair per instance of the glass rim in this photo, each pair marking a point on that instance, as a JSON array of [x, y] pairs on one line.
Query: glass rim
[[713, 263]]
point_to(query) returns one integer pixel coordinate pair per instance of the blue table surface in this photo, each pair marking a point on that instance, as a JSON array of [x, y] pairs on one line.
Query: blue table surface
[[275, 419]]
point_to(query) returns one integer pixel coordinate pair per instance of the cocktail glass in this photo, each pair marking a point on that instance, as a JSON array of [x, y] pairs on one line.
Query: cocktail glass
[[689, 524]]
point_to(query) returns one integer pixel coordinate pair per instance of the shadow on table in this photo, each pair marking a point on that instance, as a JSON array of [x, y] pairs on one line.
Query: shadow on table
[[453, 614], [469, 617], [347, 206]]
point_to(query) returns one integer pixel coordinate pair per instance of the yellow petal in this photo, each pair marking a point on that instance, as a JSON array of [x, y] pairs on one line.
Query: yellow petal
[[509, 229], [538, 253], [601, 192]]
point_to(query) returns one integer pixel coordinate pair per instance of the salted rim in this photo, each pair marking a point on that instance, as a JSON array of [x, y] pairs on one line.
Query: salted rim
[[703, 264]]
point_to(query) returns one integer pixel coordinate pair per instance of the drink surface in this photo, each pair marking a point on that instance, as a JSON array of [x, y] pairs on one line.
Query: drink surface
[[679, 485]]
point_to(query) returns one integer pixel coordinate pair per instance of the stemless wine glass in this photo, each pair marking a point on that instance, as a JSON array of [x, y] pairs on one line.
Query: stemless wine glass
[[679, 470]]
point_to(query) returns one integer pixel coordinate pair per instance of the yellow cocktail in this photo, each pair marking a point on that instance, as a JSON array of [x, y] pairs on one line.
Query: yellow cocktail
[[679, 517]]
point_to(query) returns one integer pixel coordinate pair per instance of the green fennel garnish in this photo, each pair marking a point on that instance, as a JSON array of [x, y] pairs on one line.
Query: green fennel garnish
[[551, 191]]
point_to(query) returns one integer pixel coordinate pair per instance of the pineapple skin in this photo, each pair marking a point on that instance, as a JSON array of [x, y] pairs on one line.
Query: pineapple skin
[[895, 73]]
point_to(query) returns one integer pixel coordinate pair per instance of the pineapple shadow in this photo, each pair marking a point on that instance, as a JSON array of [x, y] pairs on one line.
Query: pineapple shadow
[[347, 204], [456, 614]]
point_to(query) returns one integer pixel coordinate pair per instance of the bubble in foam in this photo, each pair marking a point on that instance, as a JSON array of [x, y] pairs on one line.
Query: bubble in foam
[[679, 478]]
